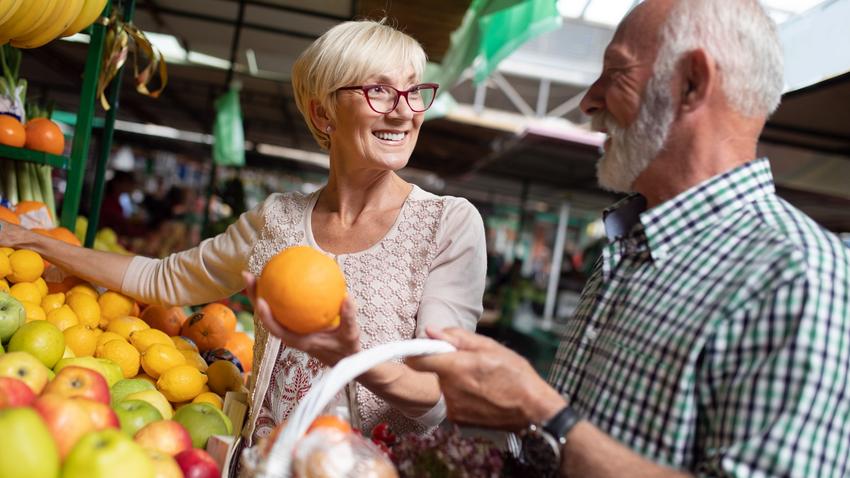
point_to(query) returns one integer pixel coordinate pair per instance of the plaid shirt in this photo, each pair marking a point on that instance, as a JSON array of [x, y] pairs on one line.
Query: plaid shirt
[[714, 334]]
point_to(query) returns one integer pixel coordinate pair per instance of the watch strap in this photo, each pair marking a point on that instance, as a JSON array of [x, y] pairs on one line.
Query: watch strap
[[560, 425]]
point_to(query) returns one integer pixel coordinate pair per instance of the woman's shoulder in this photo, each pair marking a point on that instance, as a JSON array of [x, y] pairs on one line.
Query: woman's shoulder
[[453, 207]]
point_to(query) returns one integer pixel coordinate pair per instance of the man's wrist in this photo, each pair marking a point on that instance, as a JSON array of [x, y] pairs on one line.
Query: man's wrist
[[545, 405]]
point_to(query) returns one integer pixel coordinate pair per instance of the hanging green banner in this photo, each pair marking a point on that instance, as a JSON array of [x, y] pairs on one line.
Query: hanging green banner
[[228, 131]]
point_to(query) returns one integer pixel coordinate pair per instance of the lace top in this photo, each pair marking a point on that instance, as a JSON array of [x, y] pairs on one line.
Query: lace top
[[427, 270]]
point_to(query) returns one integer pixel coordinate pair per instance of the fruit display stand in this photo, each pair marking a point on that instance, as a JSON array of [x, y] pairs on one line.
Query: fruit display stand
[[75, 163]]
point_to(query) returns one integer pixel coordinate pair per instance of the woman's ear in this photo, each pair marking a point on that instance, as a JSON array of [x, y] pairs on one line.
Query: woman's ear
[[319, 116]]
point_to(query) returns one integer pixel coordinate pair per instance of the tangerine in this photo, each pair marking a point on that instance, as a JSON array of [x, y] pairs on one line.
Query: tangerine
[[208, 331], [12, 132], [166, 319], [304, 289], [44, 135], [228, 318], [241, 345]]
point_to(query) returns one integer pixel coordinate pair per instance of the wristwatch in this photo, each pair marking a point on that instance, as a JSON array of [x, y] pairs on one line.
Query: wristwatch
[[542, 444]]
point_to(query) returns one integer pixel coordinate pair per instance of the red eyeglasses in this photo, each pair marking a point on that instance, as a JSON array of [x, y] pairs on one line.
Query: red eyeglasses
[[383, 99]]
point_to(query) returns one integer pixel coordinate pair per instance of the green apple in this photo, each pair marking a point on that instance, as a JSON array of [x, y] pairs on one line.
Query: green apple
[[109, 369], [135, 414], [24, 366], [12, 316], [107, 454], [203, 421], [127, 386], [41, 339], [1, 349], [28, 447]]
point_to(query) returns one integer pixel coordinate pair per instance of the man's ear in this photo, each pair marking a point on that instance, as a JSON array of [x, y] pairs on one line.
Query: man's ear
[[319, 115], [699, 77]]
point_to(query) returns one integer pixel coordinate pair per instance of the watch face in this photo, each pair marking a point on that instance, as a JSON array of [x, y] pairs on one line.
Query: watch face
[[540, 453]]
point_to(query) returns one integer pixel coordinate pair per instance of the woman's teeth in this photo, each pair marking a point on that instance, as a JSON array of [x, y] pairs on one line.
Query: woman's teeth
[[389, 136]]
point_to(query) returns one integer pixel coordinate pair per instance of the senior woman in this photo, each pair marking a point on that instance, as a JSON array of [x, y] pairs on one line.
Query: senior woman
[[411, 259]]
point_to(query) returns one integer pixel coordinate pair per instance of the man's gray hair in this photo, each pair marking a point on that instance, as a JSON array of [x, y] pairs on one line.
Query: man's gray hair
[[741, 38]]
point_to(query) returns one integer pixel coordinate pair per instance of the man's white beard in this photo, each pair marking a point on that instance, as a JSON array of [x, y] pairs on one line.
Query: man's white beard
[[633, 148]]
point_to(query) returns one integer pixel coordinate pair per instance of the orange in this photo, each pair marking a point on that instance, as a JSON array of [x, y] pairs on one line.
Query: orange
[[330, 421], [12, 132], [65, 235], [24, 207], [242, 346], [228, 318], [67, 284], [44, 135], [208, 331], [304, 289], [7, 215], [166, 319]]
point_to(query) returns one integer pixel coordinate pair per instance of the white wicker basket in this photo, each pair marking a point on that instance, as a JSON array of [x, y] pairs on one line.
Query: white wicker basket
[[325, 388]]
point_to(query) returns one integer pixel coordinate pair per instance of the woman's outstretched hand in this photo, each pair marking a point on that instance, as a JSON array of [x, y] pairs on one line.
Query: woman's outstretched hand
[[328, 346], [12, 235]]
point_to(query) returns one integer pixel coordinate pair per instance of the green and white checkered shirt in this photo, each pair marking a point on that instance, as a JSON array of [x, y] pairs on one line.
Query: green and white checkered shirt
[[714, 334]]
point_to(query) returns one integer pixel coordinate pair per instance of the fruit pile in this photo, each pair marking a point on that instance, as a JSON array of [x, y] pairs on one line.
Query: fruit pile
[[94, 384]]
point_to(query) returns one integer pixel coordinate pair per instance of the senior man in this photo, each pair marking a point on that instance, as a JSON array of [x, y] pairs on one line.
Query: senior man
[[713, 337]]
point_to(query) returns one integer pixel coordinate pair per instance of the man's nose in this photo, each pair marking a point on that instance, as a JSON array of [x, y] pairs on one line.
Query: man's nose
[[593, 100]]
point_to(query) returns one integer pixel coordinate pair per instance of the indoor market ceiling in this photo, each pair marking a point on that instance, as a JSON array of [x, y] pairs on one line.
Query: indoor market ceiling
[[197, 36]]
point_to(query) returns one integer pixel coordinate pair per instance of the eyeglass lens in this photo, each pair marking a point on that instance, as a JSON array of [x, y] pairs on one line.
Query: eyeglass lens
[[383, 98]]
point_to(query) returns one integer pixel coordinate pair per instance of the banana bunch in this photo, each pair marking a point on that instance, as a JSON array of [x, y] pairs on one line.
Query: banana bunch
[[33, 23]]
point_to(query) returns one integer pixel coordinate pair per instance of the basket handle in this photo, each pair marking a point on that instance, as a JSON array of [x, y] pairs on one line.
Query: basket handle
[[325, 388]]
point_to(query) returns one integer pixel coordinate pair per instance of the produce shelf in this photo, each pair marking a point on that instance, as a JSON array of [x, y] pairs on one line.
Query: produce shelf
[[22, 154]]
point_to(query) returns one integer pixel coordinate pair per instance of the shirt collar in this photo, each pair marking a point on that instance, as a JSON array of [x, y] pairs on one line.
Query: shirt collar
[[668, 224]]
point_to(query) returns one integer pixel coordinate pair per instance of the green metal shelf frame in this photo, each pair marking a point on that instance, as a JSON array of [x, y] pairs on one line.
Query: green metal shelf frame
[[30, 156]]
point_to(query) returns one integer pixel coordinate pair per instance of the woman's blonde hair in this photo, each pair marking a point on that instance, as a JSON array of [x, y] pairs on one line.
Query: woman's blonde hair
[[347, 55]]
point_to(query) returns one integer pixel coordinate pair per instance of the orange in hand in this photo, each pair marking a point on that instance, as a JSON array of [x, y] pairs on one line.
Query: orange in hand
[[304, 289]]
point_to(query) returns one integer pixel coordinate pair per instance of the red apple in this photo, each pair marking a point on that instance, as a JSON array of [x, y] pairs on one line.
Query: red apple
[[101, 415], [80, 382], [166, 436], [15, 393], [66, 419], [197, 463]]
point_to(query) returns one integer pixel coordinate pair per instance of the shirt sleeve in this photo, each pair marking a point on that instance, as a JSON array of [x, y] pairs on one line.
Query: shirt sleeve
[[205, 273], [774, 395], [453, 292]]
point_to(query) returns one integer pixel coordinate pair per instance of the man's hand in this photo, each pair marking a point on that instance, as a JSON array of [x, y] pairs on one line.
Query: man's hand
[[329, 346], [488, 385]]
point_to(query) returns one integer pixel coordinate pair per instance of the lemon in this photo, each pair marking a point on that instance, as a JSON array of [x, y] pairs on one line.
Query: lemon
[[181, 383], [158, 358], [83, 289], [81, 339], [144, 376], [53, 301], [194, 359], [63, 317], [224, 377], [142, 339], [86, 309], [114, 305], [5, 265], [108, 337], [27, 266], [4, 286], [26, 292], [42, 286], [209, 397], [7, 251], [122, 353], [124, 326], [155, 398], [33, 311], [182, 343]]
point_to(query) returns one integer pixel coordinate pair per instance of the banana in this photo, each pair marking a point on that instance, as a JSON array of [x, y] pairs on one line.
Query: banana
[[7, 9], [65, 12], [25, 18], [91, 10]]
